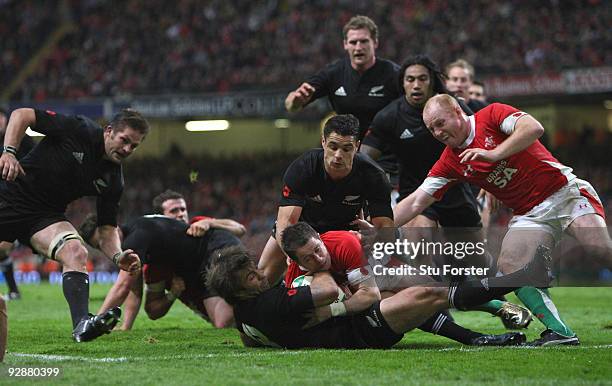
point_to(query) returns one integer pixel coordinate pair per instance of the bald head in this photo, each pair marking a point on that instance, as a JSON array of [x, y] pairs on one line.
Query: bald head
[[437, 104], [445, 120]]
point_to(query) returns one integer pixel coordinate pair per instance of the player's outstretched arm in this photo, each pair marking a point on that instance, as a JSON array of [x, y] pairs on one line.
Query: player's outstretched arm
[[411, 206], [199, 228]]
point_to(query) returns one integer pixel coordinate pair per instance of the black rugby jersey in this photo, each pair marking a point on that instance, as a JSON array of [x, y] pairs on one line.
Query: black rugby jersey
[[333, 205], [27, 144], [67, 164], [276, 316], [159, 239], [362, 95], [400, 126]]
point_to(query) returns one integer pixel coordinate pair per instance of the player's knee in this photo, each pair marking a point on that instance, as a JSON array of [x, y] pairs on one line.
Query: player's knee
[[429, 294], [74, 256]]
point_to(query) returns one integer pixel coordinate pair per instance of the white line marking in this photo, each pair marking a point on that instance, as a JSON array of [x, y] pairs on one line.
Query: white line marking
[[258, 353]]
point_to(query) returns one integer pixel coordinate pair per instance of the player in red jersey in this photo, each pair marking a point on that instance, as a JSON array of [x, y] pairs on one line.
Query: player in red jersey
[[340, 253], [498, 150]]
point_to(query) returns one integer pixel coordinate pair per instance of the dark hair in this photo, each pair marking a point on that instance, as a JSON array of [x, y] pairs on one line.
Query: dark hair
[[435, 74], [129, 118], [3, 111], [478, 83], [165, 196], [296, 236], [343, 124], [88, 227], [361, 22], [221, 276]]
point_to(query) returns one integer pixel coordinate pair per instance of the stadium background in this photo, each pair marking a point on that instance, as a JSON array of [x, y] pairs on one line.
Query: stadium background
[[237, 60]]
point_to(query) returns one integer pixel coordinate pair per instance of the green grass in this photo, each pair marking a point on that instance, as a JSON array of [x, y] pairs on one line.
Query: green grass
[[181, 349]]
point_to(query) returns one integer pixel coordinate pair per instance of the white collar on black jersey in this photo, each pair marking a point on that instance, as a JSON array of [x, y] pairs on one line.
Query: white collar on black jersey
[[472, 134]]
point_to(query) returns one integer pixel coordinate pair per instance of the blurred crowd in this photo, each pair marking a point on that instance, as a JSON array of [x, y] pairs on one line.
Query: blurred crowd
[[157, 46]]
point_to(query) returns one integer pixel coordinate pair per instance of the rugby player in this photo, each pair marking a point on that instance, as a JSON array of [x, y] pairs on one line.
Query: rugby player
[[6, 263], [498, 150], [329, 188], [477, 91], [360, 83], [172, 204], [340, 253], [276, 316], [76, 158], [400, 127], [460, 77], [172, 262]]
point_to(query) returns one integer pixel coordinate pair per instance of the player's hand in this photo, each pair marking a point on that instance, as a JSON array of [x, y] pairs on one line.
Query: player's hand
[[178, 286], [362, 224], [10, 167], [301, 96], [199, 228], [129, 261], [317, 316], [477, 154]]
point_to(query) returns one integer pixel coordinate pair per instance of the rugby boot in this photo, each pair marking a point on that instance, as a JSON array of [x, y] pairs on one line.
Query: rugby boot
[[95, 325], [507, 339]]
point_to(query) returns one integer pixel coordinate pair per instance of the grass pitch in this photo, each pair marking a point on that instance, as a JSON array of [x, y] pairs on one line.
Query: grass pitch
[[181, 349]]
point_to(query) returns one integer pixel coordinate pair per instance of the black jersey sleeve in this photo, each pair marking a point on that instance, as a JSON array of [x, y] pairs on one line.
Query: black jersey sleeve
[[378, 193], [107, 204], [51, 123], [295, 181], [139, 240], [380, 131], [321, 81]]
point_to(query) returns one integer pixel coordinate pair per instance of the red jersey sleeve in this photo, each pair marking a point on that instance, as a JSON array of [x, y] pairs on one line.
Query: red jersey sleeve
[[503, 117], [441, 177]]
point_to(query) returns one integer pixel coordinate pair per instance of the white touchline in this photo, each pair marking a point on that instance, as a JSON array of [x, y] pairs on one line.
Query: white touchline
[[68, 358]]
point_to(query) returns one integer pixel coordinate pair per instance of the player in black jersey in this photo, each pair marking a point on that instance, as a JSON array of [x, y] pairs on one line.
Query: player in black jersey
[[171, 204], [477, 91], [360, 83], [276, 316], [460, 76], [173, 262], [400, 125], [329, 188], [6, 263], [76, 158]]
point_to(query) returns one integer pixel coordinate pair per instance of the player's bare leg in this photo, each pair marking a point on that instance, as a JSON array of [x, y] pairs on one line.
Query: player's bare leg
[[75, 280], [6, 265], [517, 244], [591, 232]]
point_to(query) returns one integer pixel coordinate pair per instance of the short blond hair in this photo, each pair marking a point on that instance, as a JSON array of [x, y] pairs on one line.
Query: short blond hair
[[462, 63], [361, 22]]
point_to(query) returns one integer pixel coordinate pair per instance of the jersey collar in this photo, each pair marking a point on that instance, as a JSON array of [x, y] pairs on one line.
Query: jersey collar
[[472, 134]]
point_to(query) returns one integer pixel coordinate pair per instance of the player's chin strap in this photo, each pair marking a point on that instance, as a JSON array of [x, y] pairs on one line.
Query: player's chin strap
[[59, 241]]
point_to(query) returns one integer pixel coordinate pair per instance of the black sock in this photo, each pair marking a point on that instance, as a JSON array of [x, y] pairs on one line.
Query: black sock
[[76, 292], [474, 292], [9, 276], [439, 324]]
